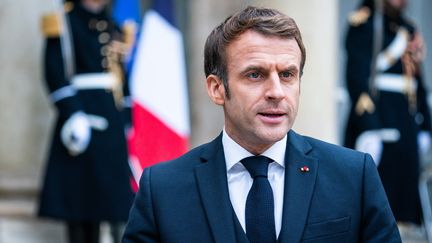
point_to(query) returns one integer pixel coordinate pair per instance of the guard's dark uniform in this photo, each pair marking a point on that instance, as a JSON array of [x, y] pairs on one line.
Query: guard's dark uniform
[[95, 185], [399, 103]]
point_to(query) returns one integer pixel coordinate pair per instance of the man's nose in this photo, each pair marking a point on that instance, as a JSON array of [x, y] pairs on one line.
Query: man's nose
[[274, 89]]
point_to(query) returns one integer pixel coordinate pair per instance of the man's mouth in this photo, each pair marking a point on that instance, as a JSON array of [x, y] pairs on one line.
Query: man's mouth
[[271, 115]]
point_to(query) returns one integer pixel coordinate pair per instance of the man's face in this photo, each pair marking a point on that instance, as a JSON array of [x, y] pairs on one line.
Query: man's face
[[264, 87]]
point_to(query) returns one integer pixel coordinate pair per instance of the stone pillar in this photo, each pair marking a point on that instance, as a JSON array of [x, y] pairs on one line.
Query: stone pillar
[[26, 116], [26, 120]]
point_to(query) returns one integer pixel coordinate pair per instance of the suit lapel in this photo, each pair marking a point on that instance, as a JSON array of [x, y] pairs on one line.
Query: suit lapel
[[299, 187], [213, 188]]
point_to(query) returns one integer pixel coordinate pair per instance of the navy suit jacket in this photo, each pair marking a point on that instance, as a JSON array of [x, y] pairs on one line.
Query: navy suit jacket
[[340, 199]]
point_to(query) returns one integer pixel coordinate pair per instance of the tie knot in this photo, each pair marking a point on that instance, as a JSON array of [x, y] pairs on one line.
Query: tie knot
[[256, 165]]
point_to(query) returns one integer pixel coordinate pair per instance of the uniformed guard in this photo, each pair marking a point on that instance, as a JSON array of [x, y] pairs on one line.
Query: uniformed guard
[[389, 117], [87, 176]]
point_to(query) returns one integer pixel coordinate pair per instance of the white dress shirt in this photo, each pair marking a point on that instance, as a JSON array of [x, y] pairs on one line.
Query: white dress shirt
[[240, 181]]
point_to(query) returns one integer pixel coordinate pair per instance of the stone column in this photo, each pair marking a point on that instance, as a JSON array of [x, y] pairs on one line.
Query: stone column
[[26, 120], [26, 114]]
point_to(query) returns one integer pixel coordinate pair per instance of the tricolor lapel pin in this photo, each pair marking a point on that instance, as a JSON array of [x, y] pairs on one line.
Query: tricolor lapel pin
[[304, 169]]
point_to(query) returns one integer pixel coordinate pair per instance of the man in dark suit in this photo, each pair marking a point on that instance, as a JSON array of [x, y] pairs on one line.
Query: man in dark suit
[[259, 181]]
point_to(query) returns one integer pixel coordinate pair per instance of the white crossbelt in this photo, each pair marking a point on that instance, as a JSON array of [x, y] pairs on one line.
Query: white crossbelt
[[94, 81], [395, 83]]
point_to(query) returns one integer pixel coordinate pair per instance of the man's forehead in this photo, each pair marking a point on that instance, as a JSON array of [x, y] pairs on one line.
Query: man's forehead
[[253, 39], [254, 45]]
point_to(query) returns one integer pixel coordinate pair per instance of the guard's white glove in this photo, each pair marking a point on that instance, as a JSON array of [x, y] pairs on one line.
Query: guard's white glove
[[76, 133], [371, 141], [424, 141]]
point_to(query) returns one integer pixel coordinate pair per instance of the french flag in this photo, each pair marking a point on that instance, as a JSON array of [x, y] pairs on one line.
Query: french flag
[[161, 126]]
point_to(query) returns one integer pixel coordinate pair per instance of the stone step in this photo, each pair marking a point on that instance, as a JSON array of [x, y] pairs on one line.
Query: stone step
[[34, 230], [18, 194], [19, 184], [31, 230], [18, 207]]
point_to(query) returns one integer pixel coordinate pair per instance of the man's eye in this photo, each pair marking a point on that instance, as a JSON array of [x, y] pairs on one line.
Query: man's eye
[[253, 75], [286, 74]]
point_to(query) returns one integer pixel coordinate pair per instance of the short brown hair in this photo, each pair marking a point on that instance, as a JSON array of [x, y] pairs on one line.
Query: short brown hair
[[262, 20]]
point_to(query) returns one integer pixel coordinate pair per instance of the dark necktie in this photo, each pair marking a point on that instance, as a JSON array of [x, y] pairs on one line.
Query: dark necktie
[[260, 222]]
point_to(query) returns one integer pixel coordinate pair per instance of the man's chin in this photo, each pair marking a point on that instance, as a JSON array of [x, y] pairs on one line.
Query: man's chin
[[271, 137]]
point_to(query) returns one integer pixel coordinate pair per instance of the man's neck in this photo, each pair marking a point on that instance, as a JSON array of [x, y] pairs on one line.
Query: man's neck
[[254, 149], [234, 152]]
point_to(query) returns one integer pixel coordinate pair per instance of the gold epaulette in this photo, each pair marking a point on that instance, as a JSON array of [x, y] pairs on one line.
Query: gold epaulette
[[359, 16], [364, 104], [51, 23]]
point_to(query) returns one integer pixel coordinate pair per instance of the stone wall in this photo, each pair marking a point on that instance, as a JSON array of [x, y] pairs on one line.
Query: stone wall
[[26, 115]]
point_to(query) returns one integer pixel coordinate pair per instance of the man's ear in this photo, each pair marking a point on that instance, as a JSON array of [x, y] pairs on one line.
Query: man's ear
[[215, 89]]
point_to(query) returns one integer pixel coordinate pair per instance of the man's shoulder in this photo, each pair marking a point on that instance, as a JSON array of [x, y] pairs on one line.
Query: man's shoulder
[[318, 144], [324, 146], [338, 165], [334, 155]]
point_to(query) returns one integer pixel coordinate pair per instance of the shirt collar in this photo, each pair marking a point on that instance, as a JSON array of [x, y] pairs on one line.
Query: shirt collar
[[234, 153]]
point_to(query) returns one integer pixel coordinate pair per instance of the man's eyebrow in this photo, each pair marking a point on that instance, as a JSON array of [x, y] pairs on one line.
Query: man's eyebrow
[[253, 68], [291, 68], [262, 69]]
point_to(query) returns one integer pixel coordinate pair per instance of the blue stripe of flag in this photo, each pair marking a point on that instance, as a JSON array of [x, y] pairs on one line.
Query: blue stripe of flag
[[166, 9], [126, 10]]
